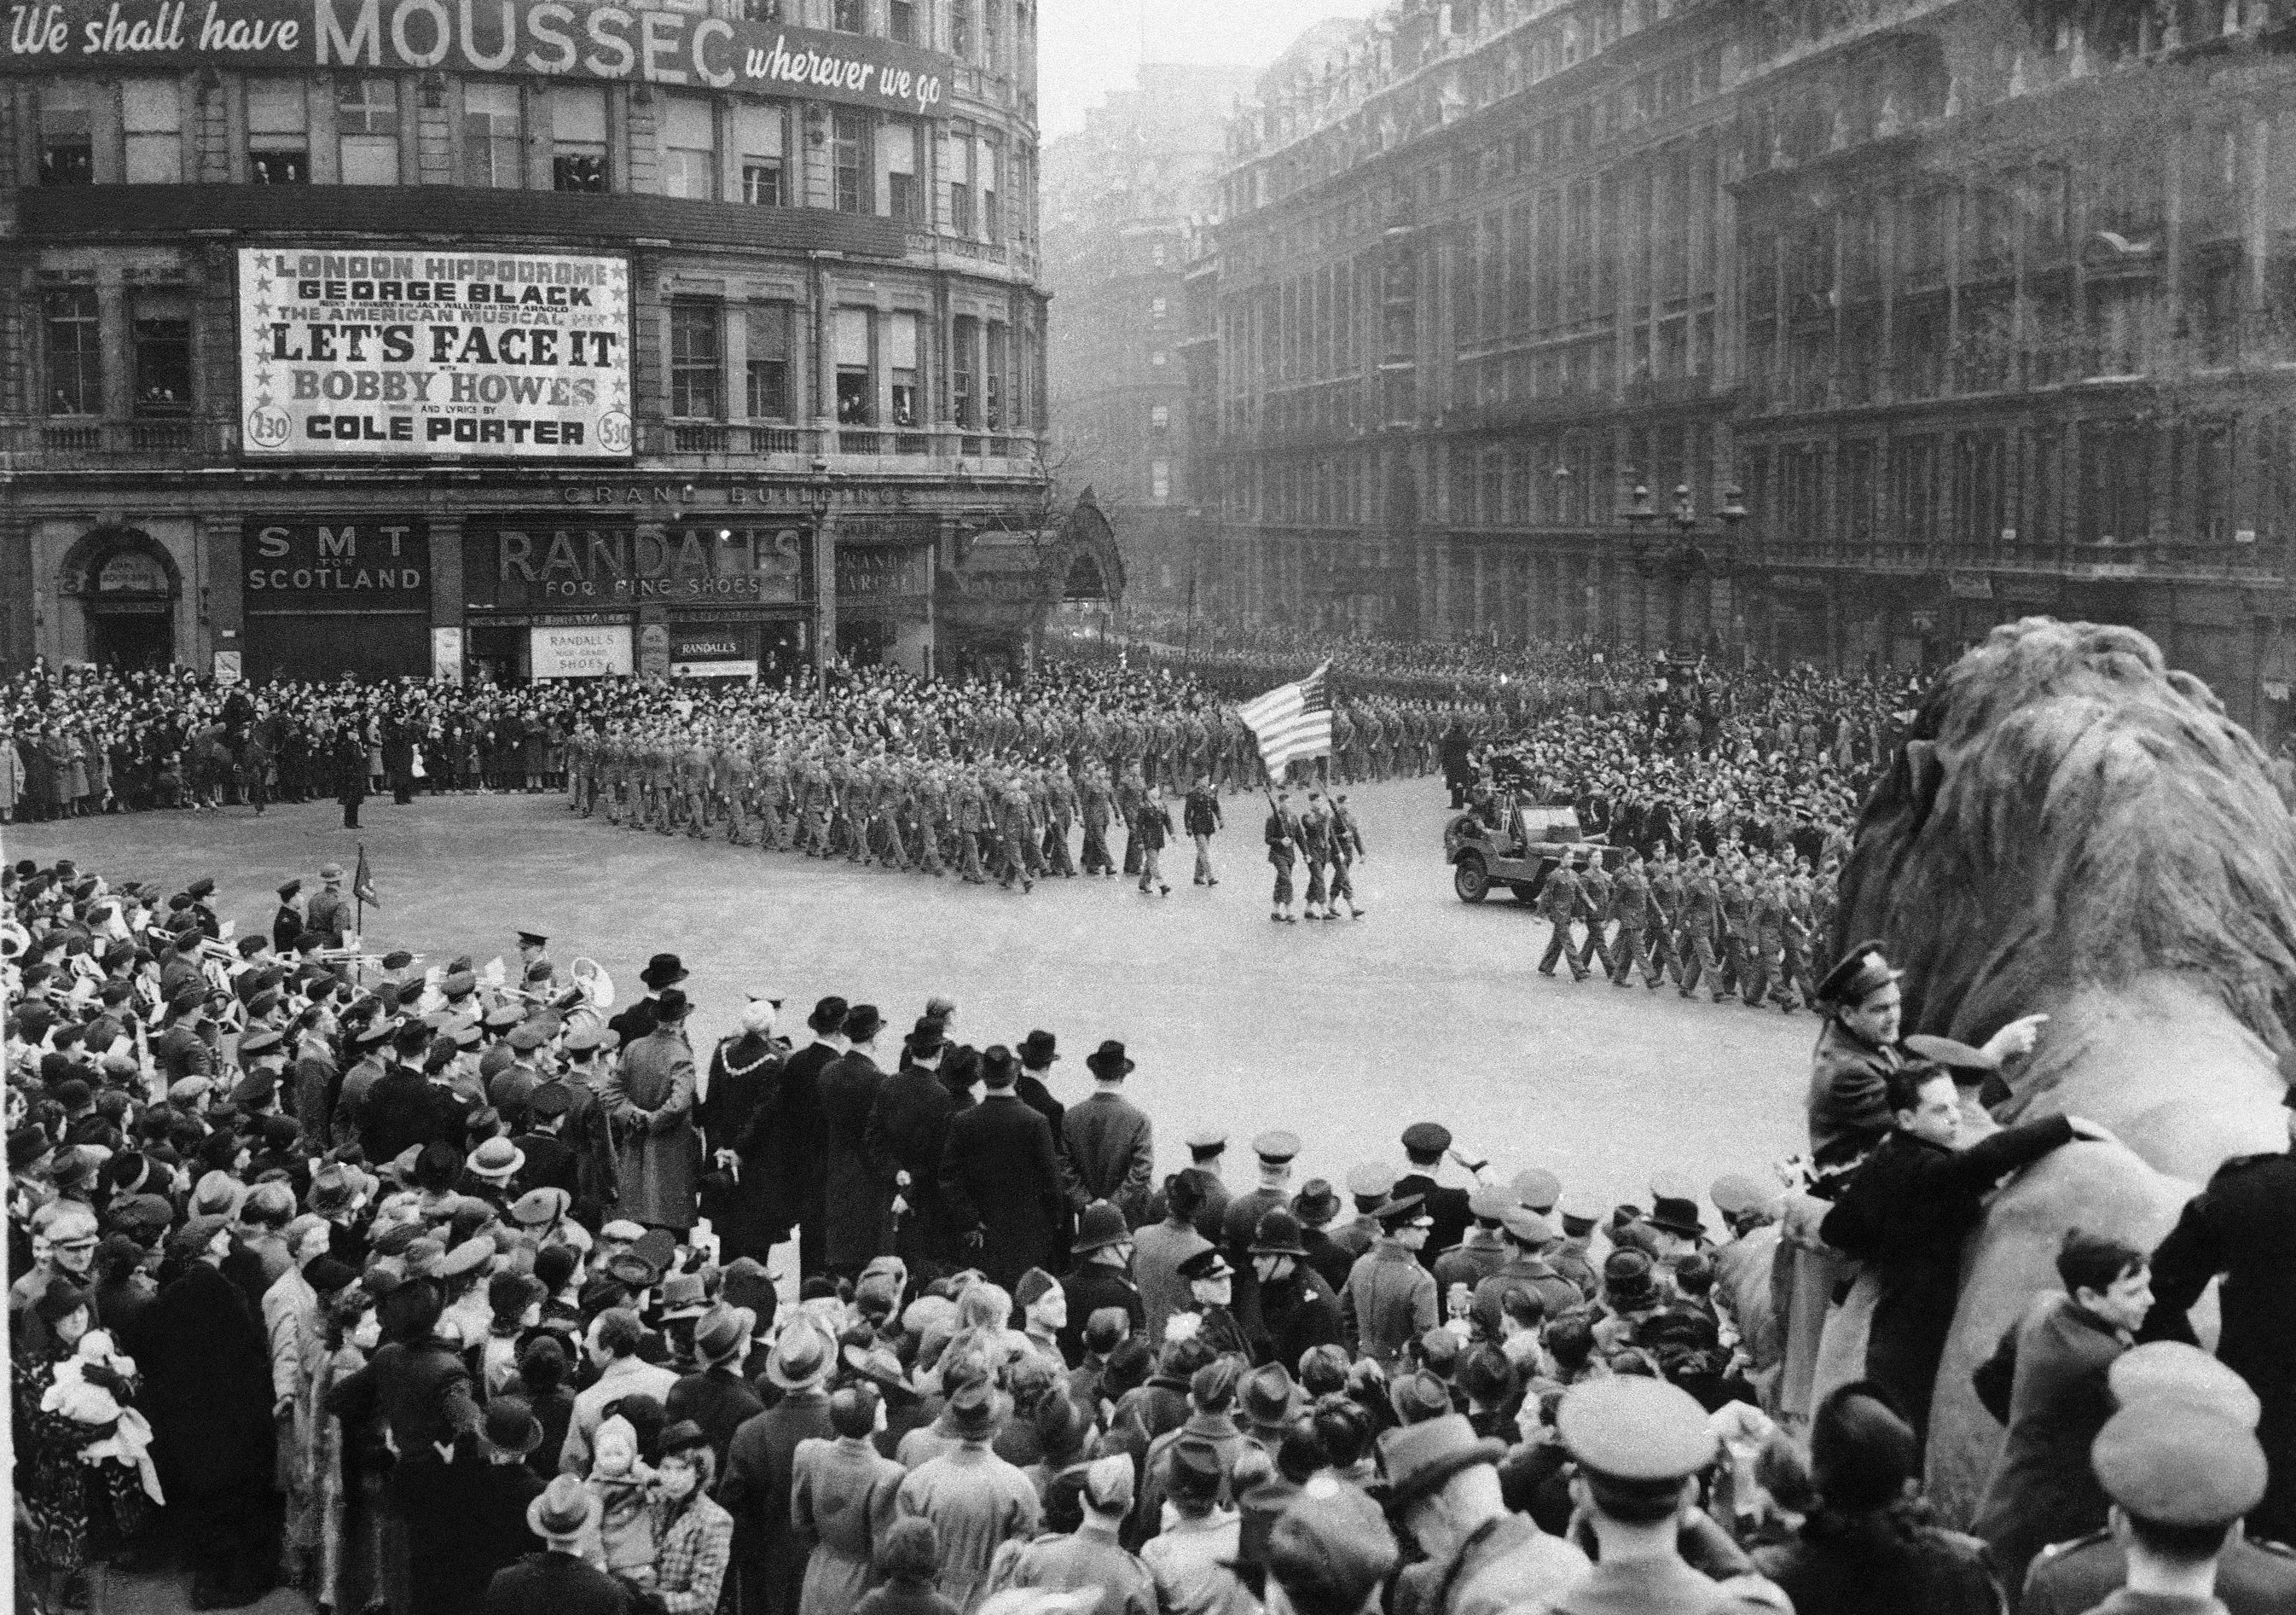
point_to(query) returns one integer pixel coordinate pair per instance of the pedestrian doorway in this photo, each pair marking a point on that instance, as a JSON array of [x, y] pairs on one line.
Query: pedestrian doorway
[[131, 641], [127, 588]]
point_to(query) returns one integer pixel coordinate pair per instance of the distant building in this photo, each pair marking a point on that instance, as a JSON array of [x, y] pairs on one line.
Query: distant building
[[1126, 203], [1977, 313]]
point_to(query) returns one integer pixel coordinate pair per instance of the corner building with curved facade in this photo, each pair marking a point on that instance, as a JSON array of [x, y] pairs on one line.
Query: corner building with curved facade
[[524, 338]]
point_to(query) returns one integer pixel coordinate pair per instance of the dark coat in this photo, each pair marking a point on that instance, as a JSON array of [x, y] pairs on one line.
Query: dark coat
[[1447, 1206], [1089, 1286], [908, 1131], [719, 1400], [754, 1211], [2042, 1489], [797, 1148], [1907, 1212], [556, 1583], [858, 1191], [470, 1520], [207, 1386], [1870, 1566], [421, 1387], [406, 1109], [1294, 1315], [998, 1176], [760, 1467], [2241, 1226]]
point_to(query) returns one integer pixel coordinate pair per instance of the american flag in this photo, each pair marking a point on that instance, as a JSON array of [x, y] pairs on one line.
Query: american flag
[[1292, 721]]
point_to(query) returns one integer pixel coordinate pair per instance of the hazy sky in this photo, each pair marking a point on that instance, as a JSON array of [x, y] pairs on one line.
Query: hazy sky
[[1085, 48]]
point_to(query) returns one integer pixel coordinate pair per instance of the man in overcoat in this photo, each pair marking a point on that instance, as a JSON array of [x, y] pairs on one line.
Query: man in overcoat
[[1000, 1181], [649, 1101]]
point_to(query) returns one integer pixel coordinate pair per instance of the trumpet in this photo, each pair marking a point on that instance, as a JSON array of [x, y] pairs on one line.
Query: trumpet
[[351, 956]]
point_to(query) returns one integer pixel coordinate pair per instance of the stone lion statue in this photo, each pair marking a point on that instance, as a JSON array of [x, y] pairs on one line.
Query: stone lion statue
[[2075, 828]]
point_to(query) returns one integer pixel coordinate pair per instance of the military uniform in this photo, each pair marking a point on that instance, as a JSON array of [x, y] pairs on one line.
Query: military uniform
[[1561, 900]]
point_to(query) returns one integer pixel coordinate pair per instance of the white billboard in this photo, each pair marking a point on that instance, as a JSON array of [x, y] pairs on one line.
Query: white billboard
[[579, 653], [417, 353]]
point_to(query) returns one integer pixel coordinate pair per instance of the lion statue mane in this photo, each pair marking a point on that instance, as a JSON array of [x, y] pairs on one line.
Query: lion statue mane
[[2073, 828]]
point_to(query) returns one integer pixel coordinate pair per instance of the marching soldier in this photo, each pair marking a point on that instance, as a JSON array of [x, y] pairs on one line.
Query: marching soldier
[[1595, 883], [1347, 849], [1561, 900], [1282, 834]]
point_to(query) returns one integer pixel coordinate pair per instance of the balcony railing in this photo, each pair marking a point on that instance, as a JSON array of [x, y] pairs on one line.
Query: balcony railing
[[68, 444], [2225, 560], [64, 443]]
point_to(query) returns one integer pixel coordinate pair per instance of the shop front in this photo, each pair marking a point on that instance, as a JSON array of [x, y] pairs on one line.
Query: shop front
[[559, 595], [324, 595]]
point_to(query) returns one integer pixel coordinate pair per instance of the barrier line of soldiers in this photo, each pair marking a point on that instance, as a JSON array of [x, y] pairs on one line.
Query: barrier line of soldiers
[[1017, 1369]]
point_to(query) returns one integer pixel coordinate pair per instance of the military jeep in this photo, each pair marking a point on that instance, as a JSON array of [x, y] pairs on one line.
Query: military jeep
[[1520, 852]]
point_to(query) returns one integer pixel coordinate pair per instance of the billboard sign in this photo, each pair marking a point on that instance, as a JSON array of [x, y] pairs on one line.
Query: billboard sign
[[421, 354], [549, 38], [556, 563], [579, 653]]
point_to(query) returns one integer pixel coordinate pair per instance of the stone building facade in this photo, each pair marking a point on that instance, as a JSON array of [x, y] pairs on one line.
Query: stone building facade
[[1127, 200], [1803, 331], [399, 336]]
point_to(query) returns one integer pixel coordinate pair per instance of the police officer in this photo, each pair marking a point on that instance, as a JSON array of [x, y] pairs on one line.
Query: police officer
[[2253, 1576], [1640, 1445], [2180, 1478]]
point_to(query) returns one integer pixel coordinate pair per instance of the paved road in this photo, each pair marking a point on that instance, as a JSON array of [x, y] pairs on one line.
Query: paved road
[[1345, 1032]]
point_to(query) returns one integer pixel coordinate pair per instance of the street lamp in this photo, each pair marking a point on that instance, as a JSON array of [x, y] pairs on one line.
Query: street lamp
[[1640, 512]]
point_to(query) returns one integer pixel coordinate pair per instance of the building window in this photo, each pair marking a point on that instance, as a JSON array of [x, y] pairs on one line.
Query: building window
[[161, 330], [768, 376], [845, 16], [494, 154], [693, 359], [278, 132], [1158, 308], [992, 369], [896, 160], [151, 117], [855, 392], [1160, 481], [901, 345], [960, 28], [1160, 417], [67, 137], [901, 21], [689, 148], [761, 129], [991, 34], [366, 129], [75, 354], [578, 138], [964, 350], [992, 218], [761, 10], [960, 182], [849, 154]]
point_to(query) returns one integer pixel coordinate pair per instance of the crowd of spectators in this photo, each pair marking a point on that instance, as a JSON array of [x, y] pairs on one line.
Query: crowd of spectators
[[422, 1293]]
